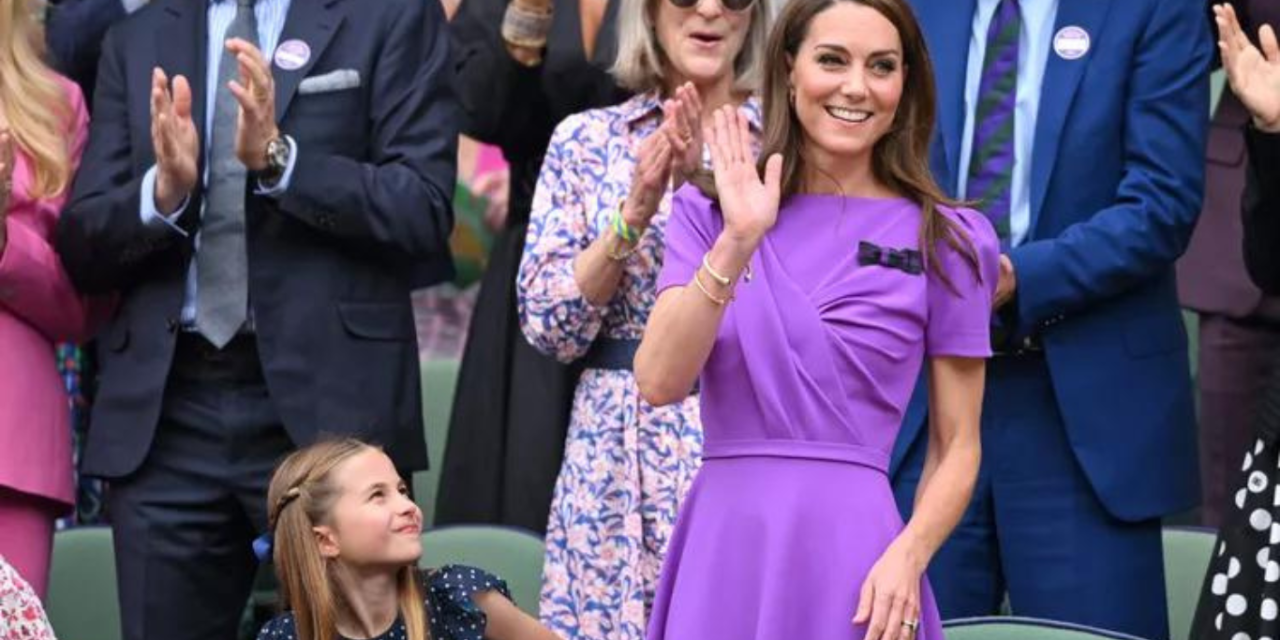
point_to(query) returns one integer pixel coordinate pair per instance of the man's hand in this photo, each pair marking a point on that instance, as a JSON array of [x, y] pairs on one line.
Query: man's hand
[[256, 93], [1007, 285], [173, 139]]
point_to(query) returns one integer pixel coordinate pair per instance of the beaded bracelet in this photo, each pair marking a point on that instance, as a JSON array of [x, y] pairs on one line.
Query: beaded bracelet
[[624, 230]]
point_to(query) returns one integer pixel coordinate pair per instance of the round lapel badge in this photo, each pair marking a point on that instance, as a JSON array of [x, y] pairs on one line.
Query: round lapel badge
[[1071, 43], [291, 55]]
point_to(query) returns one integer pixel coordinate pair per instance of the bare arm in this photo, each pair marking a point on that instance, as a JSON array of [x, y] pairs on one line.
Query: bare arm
[[683, 325], [891, 594], [507, 622]]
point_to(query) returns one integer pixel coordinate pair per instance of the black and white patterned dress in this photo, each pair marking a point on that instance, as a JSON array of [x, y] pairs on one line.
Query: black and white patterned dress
[[1240, 599]]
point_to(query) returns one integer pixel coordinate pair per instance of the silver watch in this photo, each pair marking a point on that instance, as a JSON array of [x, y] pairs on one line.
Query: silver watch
[[277, 159]]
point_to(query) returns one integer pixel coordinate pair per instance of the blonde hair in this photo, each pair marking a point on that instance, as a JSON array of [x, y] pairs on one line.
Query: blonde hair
[[640, 65], [34, 100], [301, 496]]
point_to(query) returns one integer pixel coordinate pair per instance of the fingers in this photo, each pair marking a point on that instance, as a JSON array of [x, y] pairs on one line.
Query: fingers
[[880, 610], [181, 98], [893, 623], [865, 596], [1270, 48], [773, 175], [252, 69]]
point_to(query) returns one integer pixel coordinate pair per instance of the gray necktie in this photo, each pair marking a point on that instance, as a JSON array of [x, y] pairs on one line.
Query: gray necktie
[[222, 272]]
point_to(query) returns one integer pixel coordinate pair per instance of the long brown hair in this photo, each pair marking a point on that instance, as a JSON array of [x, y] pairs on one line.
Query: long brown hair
[[900, 159], [35, 102], [301, 496]]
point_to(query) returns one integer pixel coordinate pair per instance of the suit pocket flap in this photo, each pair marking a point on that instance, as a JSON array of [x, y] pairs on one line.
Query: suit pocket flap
[[378, 320]]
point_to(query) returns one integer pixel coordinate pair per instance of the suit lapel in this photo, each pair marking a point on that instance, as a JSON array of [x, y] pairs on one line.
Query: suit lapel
[[1061, 81], [313, 23], [948, 24]]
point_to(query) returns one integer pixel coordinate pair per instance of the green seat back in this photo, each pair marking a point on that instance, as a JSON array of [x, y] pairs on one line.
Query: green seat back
[[82, 602], [512, 554]]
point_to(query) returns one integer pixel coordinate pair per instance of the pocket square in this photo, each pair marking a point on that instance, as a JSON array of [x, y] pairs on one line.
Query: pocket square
[[333, 81]]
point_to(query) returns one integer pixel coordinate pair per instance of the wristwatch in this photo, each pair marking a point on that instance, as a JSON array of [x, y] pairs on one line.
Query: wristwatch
[[278, 152]]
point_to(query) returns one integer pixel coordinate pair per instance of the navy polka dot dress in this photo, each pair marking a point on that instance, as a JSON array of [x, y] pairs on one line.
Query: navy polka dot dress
[[452, 613]]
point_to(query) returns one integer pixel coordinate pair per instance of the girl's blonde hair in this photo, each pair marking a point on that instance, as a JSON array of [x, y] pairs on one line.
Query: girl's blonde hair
[[640, 65], [301, 497], [34, 100]]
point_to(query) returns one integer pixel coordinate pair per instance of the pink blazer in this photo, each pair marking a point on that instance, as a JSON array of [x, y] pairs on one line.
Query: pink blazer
[[38, 308]]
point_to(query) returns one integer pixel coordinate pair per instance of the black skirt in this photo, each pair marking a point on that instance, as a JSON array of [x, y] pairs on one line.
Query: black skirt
[[510, 411]]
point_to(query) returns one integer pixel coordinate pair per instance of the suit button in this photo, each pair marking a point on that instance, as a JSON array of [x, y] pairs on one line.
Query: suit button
[[171, 323]]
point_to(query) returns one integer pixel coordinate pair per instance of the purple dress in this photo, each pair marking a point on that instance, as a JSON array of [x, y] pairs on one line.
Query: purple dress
[[801, 402]]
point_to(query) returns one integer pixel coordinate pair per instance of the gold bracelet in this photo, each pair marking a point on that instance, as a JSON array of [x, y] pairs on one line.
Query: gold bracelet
[[715, 275], [719, 302], [722, 279], [621, 256]]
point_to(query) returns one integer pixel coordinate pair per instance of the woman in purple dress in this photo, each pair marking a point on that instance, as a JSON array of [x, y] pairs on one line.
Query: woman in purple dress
[[808, 301]]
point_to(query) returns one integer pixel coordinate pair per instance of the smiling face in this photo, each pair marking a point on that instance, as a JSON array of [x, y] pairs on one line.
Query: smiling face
[[701, 42], [848, 76], [373, 523]]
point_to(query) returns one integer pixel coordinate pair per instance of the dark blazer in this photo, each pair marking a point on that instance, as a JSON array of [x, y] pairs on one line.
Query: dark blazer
[[1117, 176], [73, 32], [1262, 211], [330, 262], [1211, 275]]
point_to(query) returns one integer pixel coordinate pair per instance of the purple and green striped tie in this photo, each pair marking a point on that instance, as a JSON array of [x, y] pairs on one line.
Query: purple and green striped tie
[[992, 156]]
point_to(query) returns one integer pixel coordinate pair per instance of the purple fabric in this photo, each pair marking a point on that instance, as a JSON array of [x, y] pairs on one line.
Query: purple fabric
[[991, 166], [801, 402]]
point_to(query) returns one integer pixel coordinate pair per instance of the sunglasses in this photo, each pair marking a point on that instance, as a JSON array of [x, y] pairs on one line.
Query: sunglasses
[[736, 6]]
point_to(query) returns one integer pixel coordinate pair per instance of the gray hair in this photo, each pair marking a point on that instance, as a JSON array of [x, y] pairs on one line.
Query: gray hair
[[641, 63]]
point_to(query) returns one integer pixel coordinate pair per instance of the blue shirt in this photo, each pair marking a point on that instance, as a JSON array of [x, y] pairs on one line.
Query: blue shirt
[[270, 15], [1038, 17]]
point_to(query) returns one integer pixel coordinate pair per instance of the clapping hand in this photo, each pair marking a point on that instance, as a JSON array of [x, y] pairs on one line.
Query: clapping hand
[[749, 204], [1254, 75]]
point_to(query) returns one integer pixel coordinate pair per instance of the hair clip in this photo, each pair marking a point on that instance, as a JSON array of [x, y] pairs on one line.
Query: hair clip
[[906, 260], [263, 546]]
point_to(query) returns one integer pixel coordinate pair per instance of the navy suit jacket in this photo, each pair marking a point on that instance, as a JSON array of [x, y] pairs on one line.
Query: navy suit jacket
[[1117, 178], [331, 262], [74, 32]]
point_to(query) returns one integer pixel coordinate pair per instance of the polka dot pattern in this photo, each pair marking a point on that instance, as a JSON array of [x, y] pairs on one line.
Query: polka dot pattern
[[1242, 592], [451, 611]]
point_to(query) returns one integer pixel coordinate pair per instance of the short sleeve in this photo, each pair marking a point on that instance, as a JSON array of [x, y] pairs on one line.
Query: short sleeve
[[691, 229], [454, 614], [278, 628], [960, 315]]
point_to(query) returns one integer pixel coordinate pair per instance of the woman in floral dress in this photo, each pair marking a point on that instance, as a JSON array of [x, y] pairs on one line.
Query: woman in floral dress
[[585, 288]]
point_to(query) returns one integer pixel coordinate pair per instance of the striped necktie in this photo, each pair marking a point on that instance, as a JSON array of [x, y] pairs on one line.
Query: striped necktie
[[991, 161]]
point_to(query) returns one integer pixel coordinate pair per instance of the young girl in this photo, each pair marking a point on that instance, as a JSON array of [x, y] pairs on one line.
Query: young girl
[[346, 548]]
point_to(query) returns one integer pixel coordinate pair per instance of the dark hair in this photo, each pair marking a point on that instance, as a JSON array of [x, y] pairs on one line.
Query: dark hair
[[900, 159]]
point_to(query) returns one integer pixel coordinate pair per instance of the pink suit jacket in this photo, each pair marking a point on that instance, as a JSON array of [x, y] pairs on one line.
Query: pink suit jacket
[[39, 308]]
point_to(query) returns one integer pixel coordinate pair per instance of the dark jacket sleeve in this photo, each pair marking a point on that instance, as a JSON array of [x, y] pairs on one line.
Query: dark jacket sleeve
[[503, 102], [1262, 211], [101, 238], [400, 198], [74, 32]]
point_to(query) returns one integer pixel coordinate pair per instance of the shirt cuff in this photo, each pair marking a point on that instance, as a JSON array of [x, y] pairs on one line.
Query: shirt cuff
[[151, 216], [133, 5], [282, 185]]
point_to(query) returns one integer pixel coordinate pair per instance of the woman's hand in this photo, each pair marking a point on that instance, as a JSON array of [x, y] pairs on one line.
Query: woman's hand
[[749, 204], [650, 181], [682, 122], [889, 604], [1254, 75]]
